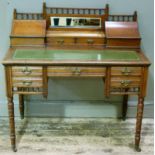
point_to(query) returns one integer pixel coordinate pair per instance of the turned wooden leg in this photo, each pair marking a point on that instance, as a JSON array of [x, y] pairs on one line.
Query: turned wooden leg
[[124, 107], [21, 106], [139, 123], [12, 123]]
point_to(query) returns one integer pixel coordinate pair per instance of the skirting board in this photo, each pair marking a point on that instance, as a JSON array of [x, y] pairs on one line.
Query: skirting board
[[77, 109]]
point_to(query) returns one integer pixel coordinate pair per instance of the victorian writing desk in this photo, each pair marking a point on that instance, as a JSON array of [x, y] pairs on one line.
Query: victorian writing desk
[[63, 42]]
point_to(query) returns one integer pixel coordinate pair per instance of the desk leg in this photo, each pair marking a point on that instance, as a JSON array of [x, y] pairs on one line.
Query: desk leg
[[124, 107], [139, 123], [21, 106], [12, 123]]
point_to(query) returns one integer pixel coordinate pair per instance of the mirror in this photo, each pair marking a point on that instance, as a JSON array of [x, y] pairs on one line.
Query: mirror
[[75, 22]]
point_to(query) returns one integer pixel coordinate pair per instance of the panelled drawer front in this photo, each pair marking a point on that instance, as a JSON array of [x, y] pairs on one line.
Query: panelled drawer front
[[60, 41], [27, 76], [75, 41], [124, 71], [26, 71], [27, 41], [90, 41], [125, 82], [76, 71]]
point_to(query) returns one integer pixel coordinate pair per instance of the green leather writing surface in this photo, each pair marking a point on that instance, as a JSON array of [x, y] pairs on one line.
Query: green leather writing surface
[[76, 55]]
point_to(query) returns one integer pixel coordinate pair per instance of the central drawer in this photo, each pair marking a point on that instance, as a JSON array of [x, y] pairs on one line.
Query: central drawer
[[76, 71], [60, 41], [75, 41]]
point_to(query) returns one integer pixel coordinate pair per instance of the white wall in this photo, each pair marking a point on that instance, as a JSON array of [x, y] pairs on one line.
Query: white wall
[[3, 45], [82, 89]]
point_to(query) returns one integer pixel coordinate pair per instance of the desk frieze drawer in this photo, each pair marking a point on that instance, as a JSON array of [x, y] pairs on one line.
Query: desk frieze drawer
[[76, 71], [20, 71], [119, 71]]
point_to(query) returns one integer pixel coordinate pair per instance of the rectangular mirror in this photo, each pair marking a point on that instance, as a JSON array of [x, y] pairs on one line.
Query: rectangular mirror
[[75, 22]]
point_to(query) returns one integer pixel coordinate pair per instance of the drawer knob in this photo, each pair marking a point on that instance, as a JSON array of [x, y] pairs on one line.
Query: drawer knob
[[27, 71], [126, 71], [76, 71], [61, 41], [27, 83], [125, 83], [90, 41]]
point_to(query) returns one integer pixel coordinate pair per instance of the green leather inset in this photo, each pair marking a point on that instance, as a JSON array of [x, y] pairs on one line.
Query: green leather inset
[[76, 55]]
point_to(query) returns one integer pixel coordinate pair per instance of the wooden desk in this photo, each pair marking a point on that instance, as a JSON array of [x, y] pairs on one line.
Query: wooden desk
[[101, 45], [28, 69]]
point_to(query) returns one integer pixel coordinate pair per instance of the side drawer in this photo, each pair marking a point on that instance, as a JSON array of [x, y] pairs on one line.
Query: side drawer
[[27, 76], [20, 71], [27, 82], [119, 71], [125, 82], [76, 71]]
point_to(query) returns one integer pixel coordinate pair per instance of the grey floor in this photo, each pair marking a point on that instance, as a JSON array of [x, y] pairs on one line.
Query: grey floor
[[76, 136]]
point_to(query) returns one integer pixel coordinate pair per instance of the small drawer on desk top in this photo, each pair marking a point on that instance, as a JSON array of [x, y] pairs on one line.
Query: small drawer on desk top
[[119, 71], [27, 41], [60, 41], [21, 71], [125, 82], [76, 71], [90, 41]]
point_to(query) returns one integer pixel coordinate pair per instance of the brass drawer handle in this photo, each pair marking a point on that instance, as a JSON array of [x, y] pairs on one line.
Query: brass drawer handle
[[61, 41], [27, 71], [76, 71], [126, 71], [125, 83], [90, 41], [27, 83]]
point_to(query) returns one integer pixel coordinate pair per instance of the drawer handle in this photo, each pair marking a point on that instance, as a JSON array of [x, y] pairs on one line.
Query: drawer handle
[[90, 41], [126, 71], [27, 71], [61, 41], [76, 71], [27, 83], [125, 83]]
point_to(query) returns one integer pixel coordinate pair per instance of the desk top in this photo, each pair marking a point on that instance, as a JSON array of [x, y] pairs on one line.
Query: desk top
[[74, 56], [61, 55]]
